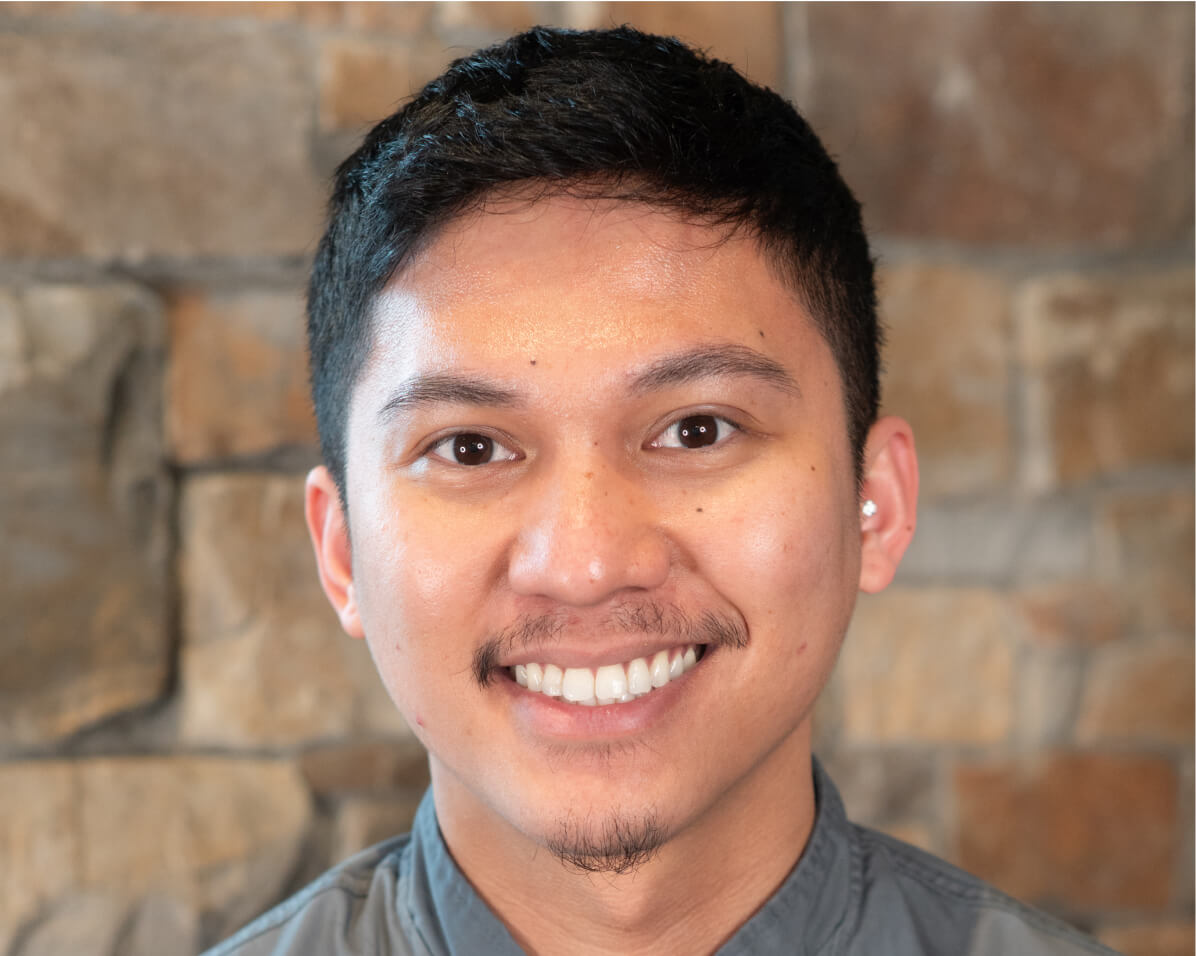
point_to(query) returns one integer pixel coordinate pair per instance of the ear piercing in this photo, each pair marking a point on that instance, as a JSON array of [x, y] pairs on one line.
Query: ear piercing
[[869, 508]]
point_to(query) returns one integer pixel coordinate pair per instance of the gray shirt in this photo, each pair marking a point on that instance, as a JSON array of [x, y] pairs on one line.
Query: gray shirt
[[854, 891]]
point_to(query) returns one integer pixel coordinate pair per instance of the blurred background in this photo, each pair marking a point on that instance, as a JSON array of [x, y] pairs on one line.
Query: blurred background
[[185, 734]]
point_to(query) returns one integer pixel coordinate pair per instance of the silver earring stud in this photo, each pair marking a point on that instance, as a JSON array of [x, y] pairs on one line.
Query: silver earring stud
[[869, 508]]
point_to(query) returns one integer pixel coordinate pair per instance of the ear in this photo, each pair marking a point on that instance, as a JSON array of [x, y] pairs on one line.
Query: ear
[[330, 539], [891, 481]]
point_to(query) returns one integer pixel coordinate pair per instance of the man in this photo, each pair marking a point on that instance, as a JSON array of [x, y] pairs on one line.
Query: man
[[594, 357]]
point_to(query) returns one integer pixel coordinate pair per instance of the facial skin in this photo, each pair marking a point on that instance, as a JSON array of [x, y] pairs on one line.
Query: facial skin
[[575, 337]]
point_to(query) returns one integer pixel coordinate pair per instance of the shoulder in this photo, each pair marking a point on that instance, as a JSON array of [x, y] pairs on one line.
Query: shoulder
[[918, 903], [352, 909]]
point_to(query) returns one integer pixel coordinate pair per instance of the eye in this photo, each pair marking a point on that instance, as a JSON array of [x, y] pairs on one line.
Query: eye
[[471, 448], [695, 431]]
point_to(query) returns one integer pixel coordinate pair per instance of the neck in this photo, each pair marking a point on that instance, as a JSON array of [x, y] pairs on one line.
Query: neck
[[704, 883]]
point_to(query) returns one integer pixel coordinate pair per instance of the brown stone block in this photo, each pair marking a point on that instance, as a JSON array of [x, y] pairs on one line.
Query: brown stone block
[[930, 664], [1139, 691], [947, 363], [237, 380], [1152, 567], [264, 662], [1152, 939], [83, 508], [363, 82], [1109, 365], [747, 35], [1026, 123], [84, 842], [1072, 611], [131, 138], [361, 822], [1075, 830], [360, 766]]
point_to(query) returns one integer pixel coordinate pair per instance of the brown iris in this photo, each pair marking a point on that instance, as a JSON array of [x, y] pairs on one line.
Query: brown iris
[[698, 431], [472, 449]]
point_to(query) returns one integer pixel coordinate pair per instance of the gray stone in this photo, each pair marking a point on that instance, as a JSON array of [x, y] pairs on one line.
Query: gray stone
[[133, 137], [143, 844], [264, 661], [83, 508]]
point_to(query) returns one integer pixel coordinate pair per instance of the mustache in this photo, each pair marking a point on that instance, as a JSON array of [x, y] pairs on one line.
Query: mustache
[[711, 628]]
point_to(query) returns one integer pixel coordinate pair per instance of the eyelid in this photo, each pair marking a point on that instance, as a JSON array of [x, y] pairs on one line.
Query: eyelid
[[500, 440]]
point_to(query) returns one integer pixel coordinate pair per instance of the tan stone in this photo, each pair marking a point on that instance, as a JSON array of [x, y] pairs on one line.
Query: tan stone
[[1139, 691], [500, 17], [361, 822], [1023, 123], [1110, 379], [214, 835], [1148, 537], [264, 661], [364, 81], [365, 765], [83, 508], [1078, 830], [947, 363], [931, 664], [237, 382], [1072, 611], [136, 137], [1152, 939], [747, 35]]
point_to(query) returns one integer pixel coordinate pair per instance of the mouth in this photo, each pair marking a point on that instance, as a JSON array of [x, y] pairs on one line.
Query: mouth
[[616, 683]]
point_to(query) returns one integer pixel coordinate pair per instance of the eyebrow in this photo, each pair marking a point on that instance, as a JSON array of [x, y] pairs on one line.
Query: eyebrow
[[705, 361], [710, 361], [447, 388]]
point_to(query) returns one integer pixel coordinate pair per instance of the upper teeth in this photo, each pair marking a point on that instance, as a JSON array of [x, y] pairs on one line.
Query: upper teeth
[[611, 683]]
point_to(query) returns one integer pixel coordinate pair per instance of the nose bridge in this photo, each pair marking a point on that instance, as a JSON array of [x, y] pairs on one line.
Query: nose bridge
[[589, 532]]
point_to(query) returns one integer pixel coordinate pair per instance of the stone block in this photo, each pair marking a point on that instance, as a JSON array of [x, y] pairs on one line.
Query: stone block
[[131, 137], [363, 766], [1109, 374], [1049, 685], [499, 18], [1095, 831], [363, 81], [237, 381], [747, 35], [1149, 539], [947, 361], [1023, 123], [887, 789], [1152, 939], [361, 822], [84, 508], [151, 841], [1072, 610], [1000, 539], [264, 662], [928, 664], [1139, 691]]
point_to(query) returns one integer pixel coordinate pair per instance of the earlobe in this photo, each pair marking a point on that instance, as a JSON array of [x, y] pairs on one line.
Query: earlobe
[[330, 540], [891, 484]]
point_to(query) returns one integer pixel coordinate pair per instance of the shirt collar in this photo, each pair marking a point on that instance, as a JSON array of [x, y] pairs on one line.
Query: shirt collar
[[449, 917]]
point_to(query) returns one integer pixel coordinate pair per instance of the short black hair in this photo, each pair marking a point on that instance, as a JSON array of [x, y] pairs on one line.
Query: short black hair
[[611, 113]]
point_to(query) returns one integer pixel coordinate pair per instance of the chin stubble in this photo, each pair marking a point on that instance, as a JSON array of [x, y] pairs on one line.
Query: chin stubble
[[620, 844]]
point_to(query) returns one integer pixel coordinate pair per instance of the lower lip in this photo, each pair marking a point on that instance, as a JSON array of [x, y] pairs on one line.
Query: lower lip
[[552, 717]]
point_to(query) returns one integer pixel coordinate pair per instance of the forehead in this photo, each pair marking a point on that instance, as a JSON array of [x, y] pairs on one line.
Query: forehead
[[591, 275]]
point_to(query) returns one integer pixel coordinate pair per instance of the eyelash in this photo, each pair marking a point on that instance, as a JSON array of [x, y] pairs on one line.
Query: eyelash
[[493, 444]]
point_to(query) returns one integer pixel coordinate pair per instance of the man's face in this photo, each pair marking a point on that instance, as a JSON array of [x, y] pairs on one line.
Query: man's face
[[588, 435]]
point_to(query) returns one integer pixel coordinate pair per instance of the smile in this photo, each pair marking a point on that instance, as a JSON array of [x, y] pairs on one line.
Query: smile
[[610, 683]]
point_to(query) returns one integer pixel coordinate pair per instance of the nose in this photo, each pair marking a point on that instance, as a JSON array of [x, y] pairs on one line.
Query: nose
[[589, 533]]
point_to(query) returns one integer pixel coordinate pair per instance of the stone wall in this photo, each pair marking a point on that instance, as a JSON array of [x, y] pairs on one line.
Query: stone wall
[[185, 735]]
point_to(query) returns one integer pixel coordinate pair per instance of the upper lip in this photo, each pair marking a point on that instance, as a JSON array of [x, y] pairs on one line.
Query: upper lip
[[589, 655]]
